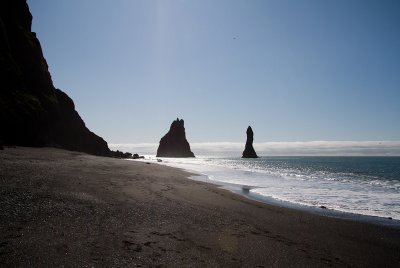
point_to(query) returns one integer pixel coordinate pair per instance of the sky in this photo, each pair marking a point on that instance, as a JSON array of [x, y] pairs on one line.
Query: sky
[[296, 71]]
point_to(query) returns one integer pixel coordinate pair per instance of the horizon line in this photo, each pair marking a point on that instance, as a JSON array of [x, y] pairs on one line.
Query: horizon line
[[262, 142], [282, 148]]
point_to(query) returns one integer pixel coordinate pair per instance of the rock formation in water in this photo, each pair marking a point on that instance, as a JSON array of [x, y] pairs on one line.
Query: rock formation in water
[[32, 111], [174, 143], [249, 151]]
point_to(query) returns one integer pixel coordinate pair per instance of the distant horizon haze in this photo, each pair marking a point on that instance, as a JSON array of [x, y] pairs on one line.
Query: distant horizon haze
[[309, 148], [293, 70]]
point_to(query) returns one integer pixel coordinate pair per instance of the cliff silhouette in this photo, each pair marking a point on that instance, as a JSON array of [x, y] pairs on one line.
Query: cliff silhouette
[[249, 151], [174, 143], [32, 111]]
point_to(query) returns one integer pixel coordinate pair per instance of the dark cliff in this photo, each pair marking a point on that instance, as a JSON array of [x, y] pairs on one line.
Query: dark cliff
[[174, 143], [32, 111], [249, 151]]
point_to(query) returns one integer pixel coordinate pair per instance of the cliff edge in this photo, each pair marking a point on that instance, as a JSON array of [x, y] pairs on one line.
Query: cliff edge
[[32, 111]]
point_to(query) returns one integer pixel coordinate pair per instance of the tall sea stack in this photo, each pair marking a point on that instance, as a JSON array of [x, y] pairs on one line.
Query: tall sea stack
[[32, 111], [249, 151], [174, 143]]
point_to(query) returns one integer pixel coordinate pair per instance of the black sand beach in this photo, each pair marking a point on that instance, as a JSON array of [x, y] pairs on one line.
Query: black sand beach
[[63, 208]]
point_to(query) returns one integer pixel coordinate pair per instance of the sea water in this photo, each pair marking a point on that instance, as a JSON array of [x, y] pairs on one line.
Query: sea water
[[358, 185]]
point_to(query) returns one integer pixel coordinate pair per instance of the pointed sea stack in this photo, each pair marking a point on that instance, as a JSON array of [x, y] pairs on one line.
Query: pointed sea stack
[[249, 151], [174, 143]]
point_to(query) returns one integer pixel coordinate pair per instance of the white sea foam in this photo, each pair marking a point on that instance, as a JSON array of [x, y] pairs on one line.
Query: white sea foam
[[341, 191]]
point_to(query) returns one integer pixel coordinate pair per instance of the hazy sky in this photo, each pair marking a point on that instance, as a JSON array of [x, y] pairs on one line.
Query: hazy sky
[[293, 70]]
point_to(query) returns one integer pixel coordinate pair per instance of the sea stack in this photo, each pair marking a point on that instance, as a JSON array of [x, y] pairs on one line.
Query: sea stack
[[249, 151], [174, 143]]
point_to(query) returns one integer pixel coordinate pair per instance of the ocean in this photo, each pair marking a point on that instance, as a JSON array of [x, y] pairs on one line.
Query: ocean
[[355, 185]]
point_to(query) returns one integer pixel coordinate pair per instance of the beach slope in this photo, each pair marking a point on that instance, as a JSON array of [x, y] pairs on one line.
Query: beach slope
[[63, 208]]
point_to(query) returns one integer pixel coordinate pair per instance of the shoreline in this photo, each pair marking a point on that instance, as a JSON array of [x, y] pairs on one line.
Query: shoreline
[[243, 190], [83, 210]]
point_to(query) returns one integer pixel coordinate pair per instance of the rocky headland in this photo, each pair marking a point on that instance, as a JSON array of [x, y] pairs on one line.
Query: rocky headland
[[32, 111], [249, 151], [174, 143]]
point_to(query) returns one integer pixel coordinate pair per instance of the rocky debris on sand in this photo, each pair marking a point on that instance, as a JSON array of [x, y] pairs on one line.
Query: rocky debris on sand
[[174, 143], [119, 154], [249, 151], [137, 156]]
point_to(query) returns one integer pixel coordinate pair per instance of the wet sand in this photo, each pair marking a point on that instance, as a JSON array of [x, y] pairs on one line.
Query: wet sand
[[62, 208]]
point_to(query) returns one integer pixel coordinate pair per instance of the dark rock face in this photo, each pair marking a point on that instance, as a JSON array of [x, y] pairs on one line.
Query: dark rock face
[[119, 154], [249, 151], [32, 111], [137, 156], [174, 143]]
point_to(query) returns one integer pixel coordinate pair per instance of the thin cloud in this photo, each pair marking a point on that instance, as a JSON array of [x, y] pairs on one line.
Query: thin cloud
[[307, 148]]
